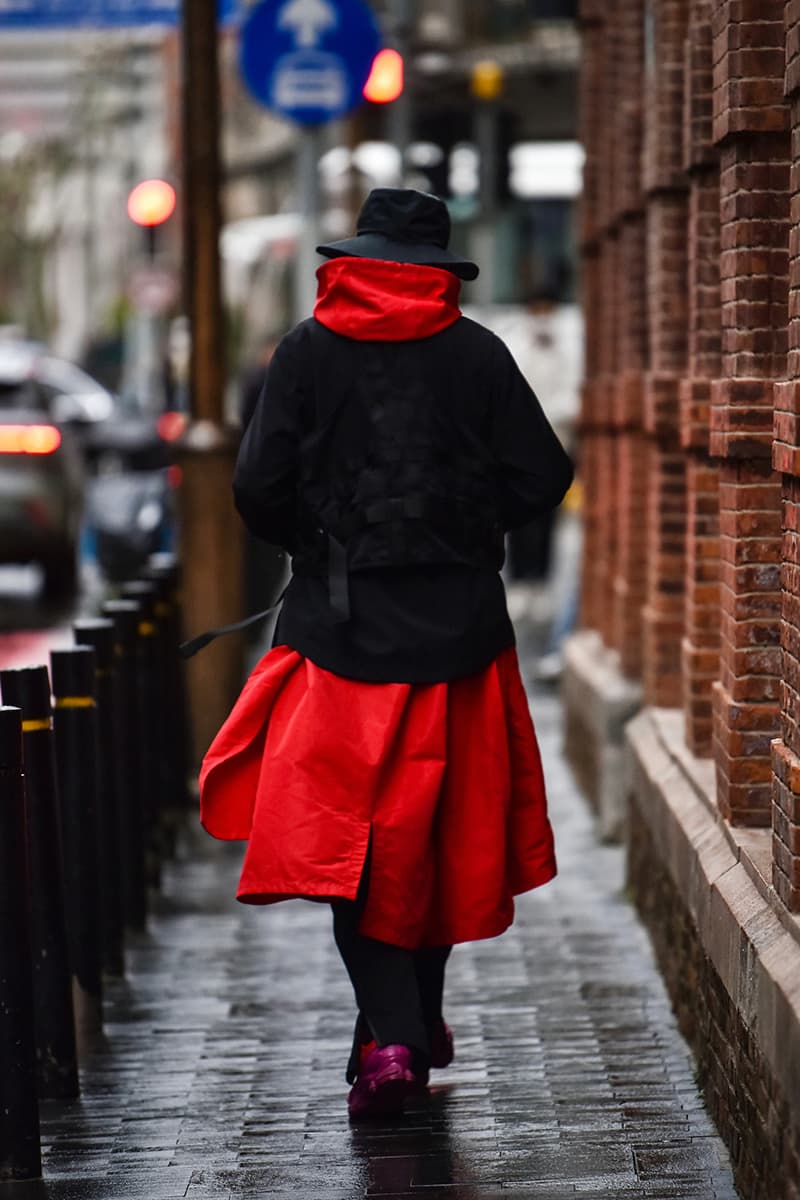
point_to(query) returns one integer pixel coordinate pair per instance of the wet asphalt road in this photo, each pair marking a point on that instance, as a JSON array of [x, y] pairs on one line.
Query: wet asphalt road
[[221, 1070]]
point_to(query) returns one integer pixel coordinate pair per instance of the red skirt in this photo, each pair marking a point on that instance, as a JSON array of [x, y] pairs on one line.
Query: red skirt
[[443, 780]]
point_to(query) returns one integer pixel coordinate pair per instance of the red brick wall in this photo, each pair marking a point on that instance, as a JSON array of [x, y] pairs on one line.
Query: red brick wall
[[786, 459], [604, 416], [691, 456], [746, 697], [612, 231], [591, 433], [630, 583], [750, 124], [665, 25], [786, 749], [592, 111], [700, 647], [666, 186], [630, 578]]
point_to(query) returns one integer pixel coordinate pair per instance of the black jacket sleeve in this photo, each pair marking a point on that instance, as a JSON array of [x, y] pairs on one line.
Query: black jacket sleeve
[[534, 470], [265, 479]]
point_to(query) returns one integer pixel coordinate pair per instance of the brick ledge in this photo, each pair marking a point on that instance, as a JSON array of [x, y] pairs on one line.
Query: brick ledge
[[753, 944], [751, 847]]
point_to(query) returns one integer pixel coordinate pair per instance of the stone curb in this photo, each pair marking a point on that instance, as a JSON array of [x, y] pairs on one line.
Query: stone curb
[[756, 957]]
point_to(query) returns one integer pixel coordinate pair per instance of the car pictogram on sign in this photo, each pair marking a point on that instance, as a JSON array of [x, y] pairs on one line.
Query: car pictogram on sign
[[309, 79]]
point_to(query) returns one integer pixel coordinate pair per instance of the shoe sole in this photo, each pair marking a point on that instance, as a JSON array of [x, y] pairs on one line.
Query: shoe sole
[[386, 1097]]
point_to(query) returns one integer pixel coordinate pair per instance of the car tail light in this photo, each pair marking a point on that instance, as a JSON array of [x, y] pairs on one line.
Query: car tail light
[[29, 439], [171, 425]]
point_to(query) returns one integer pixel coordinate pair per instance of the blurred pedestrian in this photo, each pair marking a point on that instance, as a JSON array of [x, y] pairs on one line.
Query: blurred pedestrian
[[381, 756], [550, 358]]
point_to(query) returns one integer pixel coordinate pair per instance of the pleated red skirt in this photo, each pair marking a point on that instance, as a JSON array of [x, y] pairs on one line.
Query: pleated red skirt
[[443, 780]]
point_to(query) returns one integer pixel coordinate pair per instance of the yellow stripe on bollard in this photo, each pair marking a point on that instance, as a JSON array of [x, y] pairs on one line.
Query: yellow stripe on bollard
[[75, 702], [32, 724]]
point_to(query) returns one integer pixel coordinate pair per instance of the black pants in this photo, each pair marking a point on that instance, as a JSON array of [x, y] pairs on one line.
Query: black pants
[[398, 992]]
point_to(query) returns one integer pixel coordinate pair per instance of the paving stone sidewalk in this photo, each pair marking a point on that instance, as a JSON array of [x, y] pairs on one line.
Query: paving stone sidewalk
[[220, 1074]]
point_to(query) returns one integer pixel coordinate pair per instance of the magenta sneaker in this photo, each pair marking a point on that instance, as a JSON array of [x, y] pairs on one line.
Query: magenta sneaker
[[385, 1081]]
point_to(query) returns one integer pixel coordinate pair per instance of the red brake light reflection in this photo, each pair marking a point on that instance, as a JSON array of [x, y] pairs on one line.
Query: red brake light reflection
[[29, 439]]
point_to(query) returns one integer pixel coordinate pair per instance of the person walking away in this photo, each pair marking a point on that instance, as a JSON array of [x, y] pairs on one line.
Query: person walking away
[[381, 757]]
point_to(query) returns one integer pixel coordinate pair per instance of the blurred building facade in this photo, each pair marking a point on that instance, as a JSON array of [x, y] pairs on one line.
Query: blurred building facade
[[691, 586], [87, 114], [428, 139]]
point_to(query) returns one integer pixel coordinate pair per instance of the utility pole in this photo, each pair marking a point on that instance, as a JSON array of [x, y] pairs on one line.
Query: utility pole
[[211, 533], [399, 130], [486, 86]]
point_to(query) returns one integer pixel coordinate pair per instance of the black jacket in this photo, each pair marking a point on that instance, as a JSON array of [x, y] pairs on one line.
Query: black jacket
[[403, 453]]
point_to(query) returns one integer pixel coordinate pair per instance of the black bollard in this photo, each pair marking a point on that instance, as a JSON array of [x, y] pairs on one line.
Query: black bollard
[[130, 778], [154, 715], [75, 723], [20, 1152], [57, 1067], [159, 566], [162, 570], [99, 634]]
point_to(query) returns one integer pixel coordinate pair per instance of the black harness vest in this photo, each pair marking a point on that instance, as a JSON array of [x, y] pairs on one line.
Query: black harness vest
[[413, 497]]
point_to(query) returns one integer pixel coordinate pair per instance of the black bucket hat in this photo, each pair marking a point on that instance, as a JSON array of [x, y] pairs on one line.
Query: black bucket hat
[[406, 226]]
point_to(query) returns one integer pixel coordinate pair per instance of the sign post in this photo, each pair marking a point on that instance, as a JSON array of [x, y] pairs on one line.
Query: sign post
[[486, 86], [308, 60], [309, 146]]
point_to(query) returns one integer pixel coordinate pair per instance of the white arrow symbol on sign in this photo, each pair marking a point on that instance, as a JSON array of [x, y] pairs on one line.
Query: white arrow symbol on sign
[[309, 19]]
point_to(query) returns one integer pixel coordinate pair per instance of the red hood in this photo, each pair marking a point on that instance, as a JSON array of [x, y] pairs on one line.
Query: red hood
[[375, 301]]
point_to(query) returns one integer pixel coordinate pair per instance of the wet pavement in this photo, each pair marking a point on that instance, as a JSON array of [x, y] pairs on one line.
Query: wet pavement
[[30, 625], [220, 1074]]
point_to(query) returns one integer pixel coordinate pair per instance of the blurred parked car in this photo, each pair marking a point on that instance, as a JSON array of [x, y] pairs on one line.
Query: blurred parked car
[[41, 484], [70, 395], [130, 508]]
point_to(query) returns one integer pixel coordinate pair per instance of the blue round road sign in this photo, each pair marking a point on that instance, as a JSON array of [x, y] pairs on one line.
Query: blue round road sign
[[309, 59]]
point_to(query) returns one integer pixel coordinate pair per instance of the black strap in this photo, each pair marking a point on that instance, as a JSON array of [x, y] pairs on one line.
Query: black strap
[[382, 512], [190, 648], [400, 509]]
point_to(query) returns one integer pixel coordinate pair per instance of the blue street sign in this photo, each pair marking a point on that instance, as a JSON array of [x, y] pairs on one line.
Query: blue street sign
[[309, 59], [97, 14]]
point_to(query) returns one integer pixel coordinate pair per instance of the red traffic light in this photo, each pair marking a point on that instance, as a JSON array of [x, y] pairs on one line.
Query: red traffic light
[[151, 202], [385, 81]]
